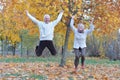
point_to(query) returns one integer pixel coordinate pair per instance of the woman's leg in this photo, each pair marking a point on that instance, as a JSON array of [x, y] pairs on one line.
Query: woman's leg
[[82, 60], [77, 56], [83, 51], [76, 62]]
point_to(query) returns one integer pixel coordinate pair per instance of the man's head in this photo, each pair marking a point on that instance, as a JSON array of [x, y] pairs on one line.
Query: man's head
[[46, 18], [80, 28]]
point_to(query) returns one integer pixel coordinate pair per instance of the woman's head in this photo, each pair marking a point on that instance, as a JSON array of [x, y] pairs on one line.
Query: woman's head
[[80, 28]]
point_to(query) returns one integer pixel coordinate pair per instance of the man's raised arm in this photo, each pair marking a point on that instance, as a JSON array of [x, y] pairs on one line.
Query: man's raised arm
[[32, 18], [55, 22]]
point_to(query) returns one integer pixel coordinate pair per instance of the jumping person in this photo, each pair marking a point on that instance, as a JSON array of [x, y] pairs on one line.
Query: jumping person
[[46, 29], [79, 47]]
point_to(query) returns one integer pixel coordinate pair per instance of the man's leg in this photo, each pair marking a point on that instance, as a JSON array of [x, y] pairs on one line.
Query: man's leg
[[36, 48], [40, 49], [51, 47]]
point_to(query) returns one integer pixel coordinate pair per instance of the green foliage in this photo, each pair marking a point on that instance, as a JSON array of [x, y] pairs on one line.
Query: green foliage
[[28, 41]]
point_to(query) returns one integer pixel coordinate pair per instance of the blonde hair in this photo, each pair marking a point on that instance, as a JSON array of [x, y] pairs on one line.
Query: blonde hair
[[80, 25]]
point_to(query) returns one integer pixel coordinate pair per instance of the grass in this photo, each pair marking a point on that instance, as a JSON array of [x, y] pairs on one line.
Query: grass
[[101, 61], [9, 74], [39, 77], [30, 59], [56, 59], [32, 76]]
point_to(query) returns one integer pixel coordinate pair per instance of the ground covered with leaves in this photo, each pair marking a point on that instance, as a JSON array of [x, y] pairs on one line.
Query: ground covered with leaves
[[41, 70]]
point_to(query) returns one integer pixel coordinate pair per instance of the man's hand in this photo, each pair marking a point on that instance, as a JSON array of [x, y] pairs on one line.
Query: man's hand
[[26, 11], [61, 11]]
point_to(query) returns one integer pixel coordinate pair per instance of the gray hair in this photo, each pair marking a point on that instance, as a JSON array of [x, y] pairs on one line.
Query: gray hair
[[46, 15]]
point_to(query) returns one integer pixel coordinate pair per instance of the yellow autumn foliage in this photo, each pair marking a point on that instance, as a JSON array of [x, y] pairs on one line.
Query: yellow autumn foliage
[[106, 17]]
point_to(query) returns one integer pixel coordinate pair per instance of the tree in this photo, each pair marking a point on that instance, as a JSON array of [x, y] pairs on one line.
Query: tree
[[106, 19], [51, 7], [72, 7], [107, 16]]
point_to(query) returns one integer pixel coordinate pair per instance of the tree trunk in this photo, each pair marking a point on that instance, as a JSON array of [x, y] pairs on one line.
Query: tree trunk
[[21, 45], [14, 51], [6, 47], [27, 52], [63, 59], [5, 50], [2, 47]]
